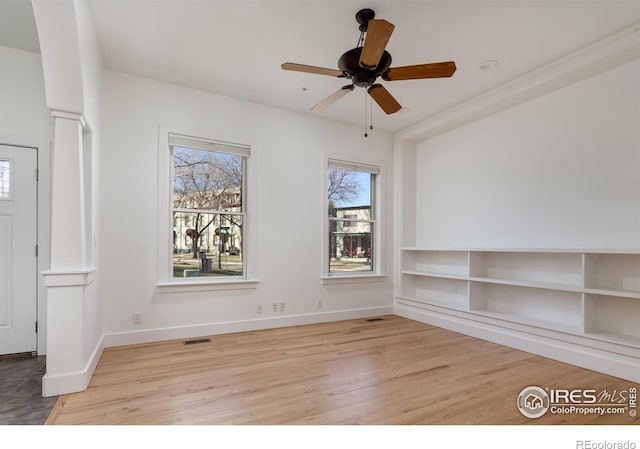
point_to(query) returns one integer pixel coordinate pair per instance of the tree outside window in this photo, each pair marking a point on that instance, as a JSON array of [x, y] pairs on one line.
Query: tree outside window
[[207, 211], [351, 217]]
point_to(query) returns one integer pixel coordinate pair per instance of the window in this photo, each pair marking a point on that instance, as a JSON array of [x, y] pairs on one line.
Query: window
[[352, 224], [207, 208], [5, 179]]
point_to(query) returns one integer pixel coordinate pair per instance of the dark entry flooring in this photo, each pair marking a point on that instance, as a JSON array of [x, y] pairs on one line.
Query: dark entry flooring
[[21, 400]]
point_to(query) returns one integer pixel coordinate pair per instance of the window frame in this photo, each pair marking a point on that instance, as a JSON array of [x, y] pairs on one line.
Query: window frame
[[169, 138], [376, 168]]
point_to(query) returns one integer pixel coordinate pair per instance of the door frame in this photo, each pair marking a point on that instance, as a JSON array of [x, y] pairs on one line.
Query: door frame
[[43, 150]]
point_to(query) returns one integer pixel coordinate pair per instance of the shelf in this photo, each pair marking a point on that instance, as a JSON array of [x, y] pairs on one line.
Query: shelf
[[442, 262], [617, 293], [614, 272], [612, 337], [592, 296], [453, 293], [554, 309], [436, 275], [540, 323], [544, 268], [614, 316], [598, 251], [529, 284], [434, 302]]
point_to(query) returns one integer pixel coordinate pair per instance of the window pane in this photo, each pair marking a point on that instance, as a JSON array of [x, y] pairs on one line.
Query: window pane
[[351, 219], [5, 179], [349, 188], [350, 246], [206, 244], [207, 180]]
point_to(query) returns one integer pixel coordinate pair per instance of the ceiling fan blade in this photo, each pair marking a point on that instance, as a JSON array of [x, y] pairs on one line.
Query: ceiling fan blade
[[310, 69], [378, 35], [420, 71], [384, 99], [324, 104]]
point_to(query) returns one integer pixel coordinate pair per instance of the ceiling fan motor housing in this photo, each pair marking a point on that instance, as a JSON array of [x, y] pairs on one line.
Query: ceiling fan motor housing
[[349, 64], [363, 17]]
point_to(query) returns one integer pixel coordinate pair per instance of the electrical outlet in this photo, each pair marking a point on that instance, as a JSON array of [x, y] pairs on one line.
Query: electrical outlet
[[274, 307], [282, 306], [137, 318], [319, 303], [258, 308]]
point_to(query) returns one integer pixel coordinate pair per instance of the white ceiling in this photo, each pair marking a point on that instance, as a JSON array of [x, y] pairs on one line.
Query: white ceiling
[[235, 47]]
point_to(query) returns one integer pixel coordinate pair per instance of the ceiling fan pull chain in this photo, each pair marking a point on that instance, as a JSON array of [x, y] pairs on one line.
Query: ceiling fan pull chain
[[371, 114], [365, 114]]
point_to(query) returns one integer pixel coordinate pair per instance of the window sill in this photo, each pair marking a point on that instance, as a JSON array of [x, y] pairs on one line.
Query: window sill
[[206, 286], [352, 279]]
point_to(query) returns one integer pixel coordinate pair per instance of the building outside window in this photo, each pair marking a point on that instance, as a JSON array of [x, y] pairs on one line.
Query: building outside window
[[350, 224], [351, 217]]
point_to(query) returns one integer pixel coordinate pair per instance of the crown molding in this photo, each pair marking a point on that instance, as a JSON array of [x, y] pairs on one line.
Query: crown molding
[[598, 57]]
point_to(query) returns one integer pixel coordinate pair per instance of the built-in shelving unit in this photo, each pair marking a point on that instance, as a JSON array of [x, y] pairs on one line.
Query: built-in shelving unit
[[590, 297]]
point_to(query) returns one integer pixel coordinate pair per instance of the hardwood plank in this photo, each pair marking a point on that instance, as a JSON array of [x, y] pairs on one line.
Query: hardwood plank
[[394, 371]]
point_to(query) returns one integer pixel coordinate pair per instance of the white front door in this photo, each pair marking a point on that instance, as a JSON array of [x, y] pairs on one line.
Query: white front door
[[18, 239]]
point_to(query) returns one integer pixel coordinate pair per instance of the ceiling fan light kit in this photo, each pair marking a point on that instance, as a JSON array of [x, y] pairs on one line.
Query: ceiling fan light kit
[[367, 62]]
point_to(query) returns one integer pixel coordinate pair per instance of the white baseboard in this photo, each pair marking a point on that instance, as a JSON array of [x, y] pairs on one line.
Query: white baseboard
[[617, 365], [57, 384], [227, 327]]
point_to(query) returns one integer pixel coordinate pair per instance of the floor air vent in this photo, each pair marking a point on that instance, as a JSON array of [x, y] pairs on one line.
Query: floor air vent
[[370, 320], [195, 342]]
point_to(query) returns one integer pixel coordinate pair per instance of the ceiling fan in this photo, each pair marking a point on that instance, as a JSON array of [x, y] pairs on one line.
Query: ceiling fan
[[368, 61]]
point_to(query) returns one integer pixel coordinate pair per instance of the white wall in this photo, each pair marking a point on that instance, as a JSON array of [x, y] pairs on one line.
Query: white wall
[[23, 112], [287, 153], [560, 171], [25, 120]]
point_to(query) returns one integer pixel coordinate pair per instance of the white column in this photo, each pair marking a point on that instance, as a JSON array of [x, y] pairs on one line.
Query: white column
[[69, 275], [67, 219]]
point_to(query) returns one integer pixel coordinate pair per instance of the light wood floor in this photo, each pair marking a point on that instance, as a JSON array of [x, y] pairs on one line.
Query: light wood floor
[[394, 371]]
